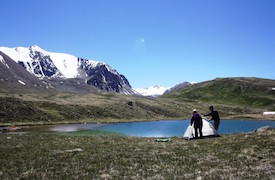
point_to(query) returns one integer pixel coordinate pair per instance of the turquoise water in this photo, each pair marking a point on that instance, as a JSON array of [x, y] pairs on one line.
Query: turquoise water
[[162, 128]]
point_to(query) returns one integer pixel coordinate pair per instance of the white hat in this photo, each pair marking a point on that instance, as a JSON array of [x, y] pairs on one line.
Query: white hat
[[194, 110]]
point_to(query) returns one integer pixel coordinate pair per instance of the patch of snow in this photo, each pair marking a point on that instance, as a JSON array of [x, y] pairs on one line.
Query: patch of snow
[[93, 63], [269, 113], [152, 90], [111, 70], [21, 82], [50, 86], [17, 54], [2, 60], [65, 63]]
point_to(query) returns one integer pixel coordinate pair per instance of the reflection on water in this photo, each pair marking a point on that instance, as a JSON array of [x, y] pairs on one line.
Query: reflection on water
[[74, 127], [161, 128]]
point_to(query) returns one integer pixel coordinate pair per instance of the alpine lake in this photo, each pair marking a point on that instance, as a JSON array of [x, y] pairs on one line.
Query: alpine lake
[[163, 128]]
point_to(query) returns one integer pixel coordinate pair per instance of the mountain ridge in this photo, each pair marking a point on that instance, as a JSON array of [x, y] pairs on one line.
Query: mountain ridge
[[50, 65]]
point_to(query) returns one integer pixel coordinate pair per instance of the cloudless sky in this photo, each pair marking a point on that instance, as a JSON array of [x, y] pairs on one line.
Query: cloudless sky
[[151, 42]]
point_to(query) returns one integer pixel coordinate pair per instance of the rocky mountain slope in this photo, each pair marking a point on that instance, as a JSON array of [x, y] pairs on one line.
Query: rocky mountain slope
[[62, 71]]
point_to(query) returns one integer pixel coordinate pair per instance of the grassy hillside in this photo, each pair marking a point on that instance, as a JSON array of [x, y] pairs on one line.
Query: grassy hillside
[[48, 108], [243, 95], [235, 98]]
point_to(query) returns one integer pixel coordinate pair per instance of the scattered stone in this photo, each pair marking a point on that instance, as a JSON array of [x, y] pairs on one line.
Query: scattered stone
[[75, 150], [2, 113], [69, 150], [130, 103]]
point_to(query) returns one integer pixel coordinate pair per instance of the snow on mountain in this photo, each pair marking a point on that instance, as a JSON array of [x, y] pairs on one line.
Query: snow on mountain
[[34, 59], [158, 90], [152, 90], [2, 60], [43, 64], [21, 82]]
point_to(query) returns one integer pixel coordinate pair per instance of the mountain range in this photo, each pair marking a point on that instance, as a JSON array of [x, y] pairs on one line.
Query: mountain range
[[155, 91], [35, 68]]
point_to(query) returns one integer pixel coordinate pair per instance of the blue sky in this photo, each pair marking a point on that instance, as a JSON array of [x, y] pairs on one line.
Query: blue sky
[[151, 42]]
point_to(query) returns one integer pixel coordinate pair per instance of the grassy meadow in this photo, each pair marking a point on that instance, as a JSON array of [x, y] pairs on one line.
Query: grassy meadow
[[60, 156], [53, 108]]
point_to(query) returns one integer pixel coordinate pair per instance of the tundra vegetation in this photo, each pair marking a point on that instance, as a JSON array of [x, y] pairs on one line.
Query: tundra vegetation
[[62, 156], [234, 98]]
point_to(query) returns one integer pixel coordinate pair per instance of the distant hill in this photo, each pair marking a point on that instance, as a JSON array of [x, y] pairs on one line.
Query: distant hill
[[178, 86], [249, 92]]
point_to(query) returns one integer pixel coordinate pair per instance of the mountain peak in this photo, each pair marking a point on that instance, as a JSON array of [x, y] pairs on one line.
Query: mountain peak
[[38, 49], [42, 63], [157, 86]]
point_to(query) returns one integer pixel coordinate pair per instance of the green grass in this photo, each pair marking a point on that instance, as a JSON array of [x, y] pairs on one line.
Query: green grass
[[234, 98], [91, 133], [53, 156], [73, 108], [253, 92]]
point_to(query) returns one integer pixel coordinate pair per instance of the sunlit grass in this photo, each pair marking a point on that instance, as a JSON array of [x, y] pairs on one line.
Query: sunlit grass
[[55, 156]]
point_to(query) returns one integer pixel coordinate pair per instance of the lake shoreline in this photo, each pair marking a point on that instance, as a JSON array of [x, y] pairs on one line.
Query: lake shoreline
[[103, 121], [153, 128]]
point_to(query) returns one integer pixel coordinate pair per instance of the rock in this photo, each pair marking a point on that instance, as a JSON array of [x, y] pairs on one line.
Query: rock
[[130, 103], [2, 113], [264, 128]]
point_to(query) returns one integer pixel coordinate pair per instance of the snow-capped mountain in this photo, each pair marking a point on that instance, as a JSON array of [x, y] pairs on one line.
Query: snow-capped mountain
[[178, 86], [153, 91], [44, 64], [157, 90]]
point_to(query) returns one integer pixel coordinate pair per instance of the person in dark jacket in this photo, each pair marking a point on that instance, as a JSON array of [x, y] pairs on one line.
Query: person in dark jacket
[[196, 119], [215, 117]]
